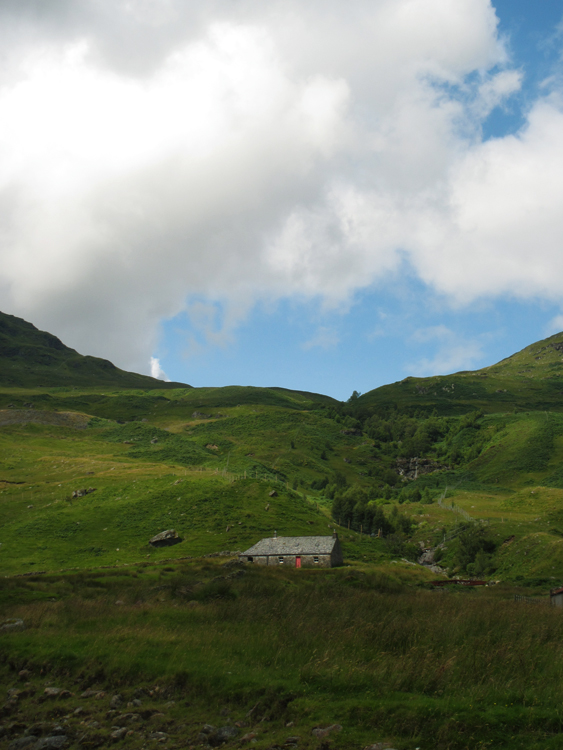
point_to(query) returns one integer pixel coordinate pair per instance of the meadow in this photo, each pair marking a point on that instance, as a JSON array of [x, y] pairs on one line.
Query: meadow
[[188, 636], [370, 648]]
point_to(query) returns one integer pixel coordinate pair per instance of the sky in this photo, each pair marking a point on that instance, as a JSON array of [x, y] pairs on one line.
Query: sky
[[325, 195]]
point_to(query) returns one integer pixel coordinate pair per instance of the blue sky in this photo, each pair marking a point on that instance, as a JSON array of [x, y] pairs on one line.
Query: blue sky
[[314, 194]]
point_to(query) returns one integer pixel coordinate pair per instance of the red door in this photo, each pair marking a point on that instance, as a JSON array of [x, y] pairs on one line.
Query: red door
[[297, 562]]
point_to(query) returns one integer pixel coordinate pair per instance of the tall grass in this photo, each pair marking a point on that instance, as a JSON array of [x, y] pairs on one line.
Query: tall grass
[[355, 649]]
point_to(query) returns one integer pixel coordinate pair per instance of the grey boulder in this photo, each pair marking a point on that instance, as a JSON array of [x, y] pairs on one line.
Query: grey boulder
[[165, 539]]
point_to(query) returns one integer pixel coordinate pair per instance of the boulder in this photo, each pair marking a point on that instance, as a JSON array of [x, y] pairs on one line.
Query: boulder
[[321, 732], [51, 743], [215, 737], [12, 626], [165, 539], [116, 701], [119, 734]]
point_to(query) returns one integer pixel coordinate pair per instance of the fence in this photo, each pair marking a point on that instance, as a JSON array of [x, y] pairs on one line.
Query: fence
[[530, 600], [454, 508]]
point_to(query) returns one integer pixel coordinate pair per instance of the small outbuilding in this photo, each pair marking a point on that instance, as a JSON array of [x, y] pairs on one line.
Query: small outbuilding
[[296, 551]]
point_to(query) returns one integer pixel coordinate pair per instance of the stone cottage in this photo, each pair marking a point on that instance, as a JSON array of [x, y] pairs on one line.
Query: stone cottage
[[296, 551]]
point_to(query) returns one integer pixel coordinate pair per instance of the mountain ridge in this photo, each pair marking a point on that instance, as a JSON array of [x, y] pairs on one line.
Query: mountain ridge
[[30, 357]]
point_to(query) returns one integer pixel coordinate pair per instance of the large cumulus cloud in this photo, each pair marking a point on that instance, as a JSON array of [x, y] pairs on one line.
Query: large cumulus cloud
[[153, 151]]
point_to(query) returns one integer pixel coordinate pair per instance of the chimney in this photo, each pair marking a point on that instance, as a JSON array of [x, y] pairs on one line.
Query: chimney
[[275, 534], [334, 534]]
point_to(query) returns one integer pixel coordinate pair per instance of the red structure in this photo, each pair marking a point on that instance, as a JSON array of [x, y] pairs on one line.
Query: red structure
[[459, 582]]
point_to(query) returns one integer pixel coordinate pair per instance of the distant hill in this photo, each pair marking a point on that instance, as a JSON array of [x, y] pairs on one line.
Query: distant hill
[[30, 358], [529, 380]]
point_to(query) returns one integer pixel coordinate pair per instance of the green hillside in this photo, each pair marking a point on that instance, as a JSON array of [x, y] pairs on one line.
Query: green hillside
[[468, 467], [530, 380], [30, 358]]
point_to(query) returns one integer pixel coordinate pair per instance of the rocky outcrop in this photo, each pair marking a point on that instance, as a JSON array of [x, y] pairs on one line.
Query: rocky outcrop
[[412, 468], [165, 539], [83, 492]]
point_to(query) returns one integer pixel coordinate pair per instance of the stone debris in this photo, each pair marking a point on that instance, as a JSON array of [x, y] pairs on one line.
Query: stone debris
[[51, 743], [83, 492], [118, 733], [210, 735], [321, 732]]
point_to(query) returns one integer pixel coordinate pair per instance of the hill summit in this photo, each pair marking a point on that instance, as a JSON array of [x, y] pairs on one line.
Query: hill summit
[[531, 379], [30, 358]]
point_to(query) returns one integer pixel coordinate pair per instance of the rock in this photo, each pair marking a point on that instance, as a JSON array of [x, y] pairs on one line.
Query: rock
[[22, 742], [57, 729], [137, 702], [160, 736], [116, 701], [200, 415], [89, 693], [13, 625], [51, 743], [24, 675], [294, 740], [272, 493], [247, 737], [119, 734], [78, 711], [321, 732], [224, 734], [154, 440], [165, 539]]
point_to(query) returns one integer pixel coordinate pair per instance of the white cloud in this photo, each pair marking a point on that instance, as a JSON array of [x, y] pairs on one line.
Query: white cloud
[[157, 371], [555, 325], [454, 352], [325, 338], [153, 153]]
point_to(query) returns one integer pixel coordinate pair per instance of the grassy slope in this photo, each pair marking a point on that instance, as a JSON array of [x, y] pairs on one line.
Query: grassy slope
[[529, 380], [358, 646]]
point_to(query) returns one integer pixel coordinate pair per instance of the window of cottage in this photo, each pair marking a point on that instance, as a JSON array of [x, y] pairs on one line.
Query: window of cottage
[[315, 559], [280, 559], [250, 559]]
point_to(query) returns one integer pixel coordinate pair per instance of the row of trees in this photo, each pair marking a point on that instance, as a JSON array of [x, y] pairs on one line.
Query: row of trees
[[353, 507]]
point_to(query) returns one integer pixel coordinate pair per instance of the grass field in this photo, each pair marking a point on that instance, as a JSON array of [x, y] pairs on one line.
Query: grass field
[[207, 642], [188, 636]]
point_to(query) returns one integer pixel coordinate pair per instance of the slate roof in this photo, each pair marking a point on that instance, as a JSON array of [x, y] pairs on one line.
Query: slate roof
[[293, 545]]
